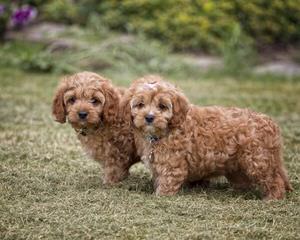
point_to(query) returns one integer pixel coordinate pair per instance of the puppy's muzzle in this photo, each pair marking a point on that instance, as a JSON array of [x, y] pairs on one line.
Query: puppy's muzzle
[[149, 118], [82, 115]]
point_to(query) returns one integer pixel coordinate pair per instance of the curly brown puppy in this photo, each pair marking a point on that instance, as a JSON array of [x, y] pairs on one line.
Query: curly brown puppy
[[91, 105], [181, 142]]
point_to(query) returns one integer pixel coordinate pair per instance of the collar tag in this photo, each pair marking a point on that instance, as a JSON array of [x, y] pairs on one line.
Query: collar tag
[[152, 138], [82, 132]]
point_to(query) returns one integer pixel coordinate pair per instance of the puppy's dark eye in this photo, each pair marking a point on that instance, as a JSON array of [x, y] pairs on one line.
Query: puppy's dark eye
[[71, 100], [162, 107], [140, 105], [95, 101]]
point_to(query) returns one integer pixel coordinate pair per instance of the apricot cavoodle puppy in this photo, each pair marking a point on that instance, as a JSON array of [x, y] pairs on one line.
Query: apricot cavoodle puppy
[[181, 142], [91, 105]]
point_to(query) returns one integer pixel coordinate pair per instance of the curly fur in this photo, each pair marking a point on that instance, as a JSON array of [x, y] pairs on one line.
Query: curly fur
[[103, 134], [186, 143]]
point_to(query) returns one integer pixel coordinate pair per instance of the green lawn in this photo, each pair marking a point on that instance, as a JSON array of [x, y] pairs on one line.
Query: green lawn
[[51, 190]]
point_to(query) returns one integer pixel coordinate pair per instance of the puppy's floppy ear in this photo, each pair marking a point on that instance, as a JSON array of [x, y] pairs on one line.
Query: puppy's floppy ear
[[180, 109], [58, 108], [125, 108], [112, 101]]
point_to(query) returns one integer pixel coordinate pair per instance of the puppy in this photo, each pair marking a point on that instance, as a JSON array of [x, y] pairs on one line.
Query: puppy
[[91, 105], [181, 142]]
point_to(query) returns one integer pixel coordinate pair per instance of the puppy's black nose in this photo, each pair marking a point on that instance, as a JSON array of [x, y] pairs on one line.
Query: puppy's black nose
[[82, 115], [149, 118]]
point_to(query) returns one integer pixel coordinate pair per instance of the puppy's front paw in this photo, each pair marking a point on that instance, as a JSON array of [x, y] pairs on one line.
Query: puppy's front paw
[[167, 186], [114, 179], [164, 192], [109, 182]]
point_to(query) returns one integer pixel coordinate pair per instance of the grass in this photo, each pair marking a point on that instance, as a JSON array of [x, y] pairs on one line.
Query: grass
[[51, 190]]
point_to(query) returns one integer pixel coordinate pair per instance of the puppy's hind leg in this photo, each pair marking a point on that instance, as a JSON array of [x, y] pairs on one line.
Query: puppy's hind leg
[[278, 183], [266, 175]]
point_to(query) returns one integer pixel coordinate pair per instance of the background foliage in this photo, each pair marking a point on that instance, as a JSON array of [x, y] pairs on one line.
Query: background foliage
[[235, 29], [183, 24], [189, 24]]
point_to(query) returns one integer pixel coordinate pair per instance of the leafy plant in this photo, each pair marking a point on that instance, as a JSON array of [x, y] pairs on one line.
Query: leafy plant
[[238, 52], [61, 11], [30, 57], [205, 24], [4, 17]]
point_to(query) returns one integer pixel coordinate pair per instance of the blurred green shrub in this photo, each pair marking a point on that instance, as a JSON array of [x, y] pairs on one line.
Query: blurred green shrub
[[189, 24], [96, 50], [30, 57], [36, 3], [270, 21], [61, 11], [69, 11], [183, 24], [238, 53], [5, 11], [205, 24]]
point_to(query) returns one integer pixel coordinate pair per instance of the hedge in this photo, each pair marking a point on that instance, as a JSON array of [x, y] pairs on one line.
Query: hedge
[[205, 24], [187, 24]]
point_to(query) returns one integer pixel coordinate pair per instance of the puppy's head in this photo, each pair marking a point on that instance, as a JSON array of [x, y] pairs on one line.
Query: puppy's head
[[85, 99], [155, 106]]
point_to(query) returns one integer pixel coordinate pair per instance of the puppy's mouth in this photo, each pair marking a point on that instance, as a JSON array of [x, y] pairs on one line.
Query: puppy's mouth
[[149, 128], [84, 123], [152, 130]]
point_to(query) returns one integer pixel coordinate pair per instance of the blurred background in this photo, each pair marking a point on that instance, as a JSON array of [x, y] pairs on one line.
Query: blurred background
[[242, 53], [231, 37]]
